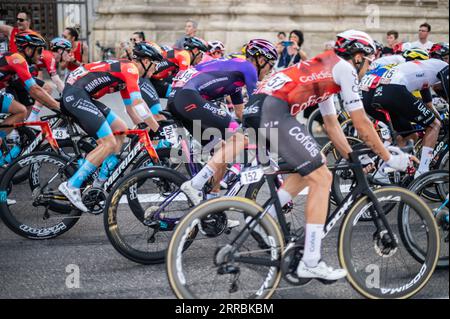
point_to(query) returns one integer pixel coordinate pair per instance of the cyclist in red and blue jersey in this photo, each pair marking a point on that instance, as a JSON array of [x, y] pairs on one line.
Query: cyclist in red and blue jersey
[[15, 67], [84, 86]]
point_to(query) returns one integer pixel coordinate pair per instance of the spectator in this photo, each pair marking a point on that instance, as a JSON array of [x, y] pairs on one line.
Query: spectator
[[422, 43], [23, 24], [190, 30], [127, 47], [79, 53], [281, 36], [290, 51], [391, 40]]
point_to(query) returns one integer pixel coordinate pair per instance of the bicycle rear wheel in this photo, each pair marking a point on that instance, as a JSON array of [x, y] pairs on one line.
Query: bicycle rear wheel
[[376, 267]]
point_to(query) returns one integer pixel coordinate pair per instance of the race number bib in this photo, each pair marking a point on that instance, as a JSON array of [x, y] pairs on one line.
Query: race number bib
[[252, 175], [277, 82], [368, 81], [184, 76], [386, 78], [76, 74]]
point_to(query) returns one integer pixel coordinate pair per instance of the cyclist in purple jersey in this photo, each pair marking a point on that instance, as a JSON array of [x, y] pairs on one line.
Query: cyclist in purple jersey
[[195, 87]]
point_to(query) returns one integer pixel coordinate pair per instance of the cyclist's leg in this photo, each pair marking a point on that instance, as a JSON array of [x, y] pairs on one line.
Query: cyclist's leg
[[399, 101], [299, 150], [190, 105], [16, 110], [93, 122]]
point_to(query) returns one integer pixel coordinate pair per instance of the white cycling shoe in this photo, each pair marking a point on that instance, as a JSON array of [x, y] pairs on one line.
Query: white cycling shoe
[[321, 271], [193, 194], [73, 195]]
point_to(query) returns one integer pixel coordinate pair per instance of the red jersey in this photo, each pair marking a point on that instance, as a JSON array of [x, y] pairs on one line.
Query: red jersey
[[174, 61], [48, 62], [14, 66], [78, 55], [12, 40], [105, 77], [314, 81]]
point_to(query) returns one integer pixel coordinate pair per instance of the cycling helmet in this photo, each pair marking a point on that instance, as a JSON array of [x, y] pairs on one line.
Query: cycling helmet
[[147, 50], [29, 38], [257, 47], [191, 43], [397, 48], [415, 54], [60, 43], [378, 46], [439, 50], [352, 41], [214, 46]]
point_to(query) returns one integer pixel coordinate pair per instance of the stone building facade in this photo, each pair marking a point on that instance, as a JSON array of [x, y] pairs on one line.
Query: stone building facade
[[236, 21]]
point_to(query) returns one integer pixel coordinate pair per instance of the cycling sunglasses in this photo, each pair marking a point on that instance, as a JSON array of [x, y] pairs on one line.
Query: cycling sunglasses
[[21, 20]]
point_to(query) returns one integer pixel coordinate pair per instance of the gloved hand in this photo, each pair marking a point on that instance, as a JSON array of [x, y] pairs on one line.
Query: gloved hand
[[398, 160]]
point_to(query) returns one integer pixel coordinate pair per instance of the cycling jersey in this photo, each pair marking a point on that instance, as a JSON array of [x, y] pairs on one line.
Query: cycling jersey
[[174, 61], [13, 66], [387, 60], [48, 62], [218, 78], [78, 55], [374, 77], [417, 75], [105, 77], [314, 82]]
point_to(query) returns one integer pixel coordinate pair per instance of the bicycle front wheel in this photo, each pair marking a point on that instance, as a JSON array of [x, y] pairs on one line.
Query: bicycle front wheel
[[380, 266], [220, 263]]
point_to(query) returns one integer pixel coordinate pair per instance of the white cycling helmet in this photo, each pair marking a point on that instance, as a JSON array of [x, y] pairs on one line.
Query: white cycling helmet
[[214, 46], [353, 41]]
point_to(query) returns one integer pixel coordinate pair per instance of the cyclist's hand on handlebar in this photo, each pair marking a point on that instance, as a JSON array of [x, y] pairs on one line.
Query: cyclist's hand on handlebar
[[399, 160]]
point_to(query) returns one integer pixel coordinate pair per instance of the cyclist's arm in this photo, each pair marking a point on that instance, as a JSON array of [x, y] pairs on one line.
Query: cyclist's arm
[[58, 82], [85, 57], [345, 76], [6, 29], [238, 103], [333, 127], [21, 68], [183, 60]]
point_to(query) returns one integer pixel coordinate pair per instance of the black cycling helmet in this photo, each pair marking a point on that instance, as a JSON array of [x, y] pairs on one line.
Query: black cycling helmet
[[191, 43], [29, 39], [147, 50]]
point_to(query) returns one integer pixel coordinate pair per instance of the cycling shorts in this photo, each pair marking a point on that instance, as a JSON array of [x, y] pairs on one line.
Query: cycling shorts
[[293, 143], [6, 100], [93, 116], [402, 105], [189, 106]]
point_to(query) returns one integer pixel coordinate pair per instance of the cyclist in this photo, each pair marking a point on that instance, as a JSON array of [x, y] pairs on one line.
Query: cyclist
[[49, 61], [395, 95], [177, 60], [440, 51], [15, 67], [212, 80], [276, 103], [84, 86], [378, 70]]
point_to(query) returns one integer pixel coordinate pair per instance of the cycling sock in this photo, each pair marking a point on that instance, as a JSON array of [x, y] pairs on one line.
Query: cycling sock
[[199, 180], [34, 115], [82, 174], [284, 198], [109, 164], [425, 159], [313, 241]]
